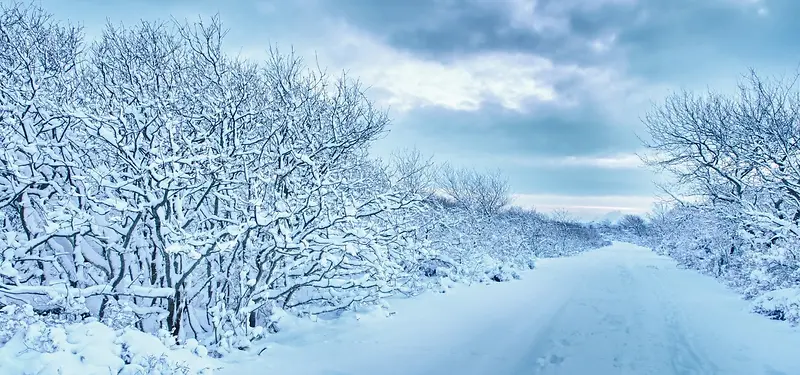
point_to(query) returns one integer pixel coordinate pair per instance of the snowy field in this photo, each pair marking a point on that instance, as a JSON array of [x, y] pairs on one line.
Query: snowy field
[[617, 310], [168, 208]]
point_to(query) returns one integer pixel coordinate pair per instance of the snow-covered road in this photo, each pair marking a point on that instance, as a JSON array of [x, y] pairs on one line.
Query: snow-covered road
[[617, 310]]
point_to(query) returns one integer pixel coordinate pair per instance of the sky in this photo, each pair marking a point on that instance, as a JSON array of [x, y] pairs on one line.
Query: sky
[[550, 92]]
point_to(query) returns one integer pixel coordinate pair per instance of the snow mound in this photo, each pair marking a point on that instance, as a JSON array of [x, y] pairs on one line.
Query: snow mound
[[496, 270], [781, 304], [31, 344]]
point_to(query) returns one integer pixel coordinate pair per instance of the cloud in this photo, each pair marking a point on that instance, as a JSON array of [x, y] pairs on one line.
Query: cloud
[[551, 16], [409, 63], [627, 160], [514, 80], [760, 6], [617, 161], [406, 81], [603, 43], [585, 207]]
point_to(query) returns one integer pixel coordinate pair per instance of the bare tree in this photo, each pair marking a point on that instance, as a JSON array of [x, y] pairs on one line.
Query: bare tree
[[486, 192], [633, 224], [153, 178], [741, 150], [739, 155], [413, 172], [562, 215]]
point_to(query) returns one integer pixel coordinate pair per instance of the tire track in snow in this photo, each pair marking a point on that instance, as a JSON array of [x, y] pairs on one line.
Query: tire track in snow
[[621, 310], [685, 357], [593, 333]]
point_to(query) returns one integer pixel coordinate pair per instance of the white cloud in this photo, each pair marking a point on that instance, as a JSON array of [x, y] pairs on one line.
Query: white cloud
[[604, 43], [615, 161], [528, 14], [621, 161], [551, 17], [585, 207], [516, 81], [759, 6], [405, 81]]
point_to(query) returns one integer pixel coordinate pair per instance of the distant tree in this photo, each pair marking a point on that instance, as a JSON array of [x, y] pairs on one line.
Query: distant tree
[[742, 151], [633, 224], [413, 172], [151, 179], [738, 157], [562, 215], [487, 193]]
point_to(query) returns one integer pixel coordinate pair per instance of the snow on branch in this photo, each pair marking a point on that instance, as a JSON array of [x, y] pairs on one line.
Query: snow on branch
[[149, 177]]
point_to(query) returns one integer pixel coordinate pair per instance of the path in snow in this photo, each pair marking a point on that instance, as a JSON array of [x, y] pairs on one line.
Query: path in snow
[[617, 310]]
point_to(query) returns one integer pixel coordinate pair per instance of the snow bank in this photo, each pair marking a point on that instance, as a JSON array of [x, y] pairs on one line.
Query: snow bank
[[490, 268], [781, 304], [713, 241], [32, 344]]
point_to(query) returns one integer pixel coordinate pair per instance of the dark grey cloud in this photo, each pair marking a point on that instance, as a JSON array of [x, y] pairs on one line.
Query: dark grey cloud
[[662, 39], [685, 41], [643, 46], [443, 28], [672, 43]]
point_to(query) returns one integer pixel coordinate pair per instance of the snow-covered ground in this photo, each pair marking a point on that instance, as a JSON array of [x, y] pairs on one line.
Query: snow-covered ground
[[32, 346], [617, 310]]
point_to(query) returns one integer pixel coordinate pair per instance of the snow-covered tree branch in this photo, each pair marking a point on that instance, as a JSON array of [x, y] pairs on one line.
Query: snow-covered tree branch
[[148, 177], [737, 155]]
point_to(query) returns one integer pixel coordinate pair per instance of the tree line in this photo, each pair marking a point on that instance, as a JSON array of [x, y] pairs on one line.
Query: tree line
[[148, 179], [734, 210]]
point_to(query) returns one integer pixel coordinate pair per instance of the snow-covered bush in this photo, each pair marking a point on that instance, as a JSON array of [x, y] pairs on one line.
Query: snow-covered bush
[[697, 238], [473, 246], [781, 304], [32, 345], [703, 237], [629, 228], [154, 173], [149, 181], [739, 157]]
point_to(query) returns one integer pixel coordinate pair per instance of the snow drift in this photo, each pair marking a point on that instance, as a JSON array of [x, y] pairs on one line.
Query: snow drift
[[31, 344]]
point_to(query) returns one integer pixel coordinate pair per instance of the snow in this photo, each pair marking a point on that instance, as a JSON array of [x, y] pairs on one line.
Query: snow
[[221, 206], [619, 310], [30, 345], [782, 303], [204, 205]]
